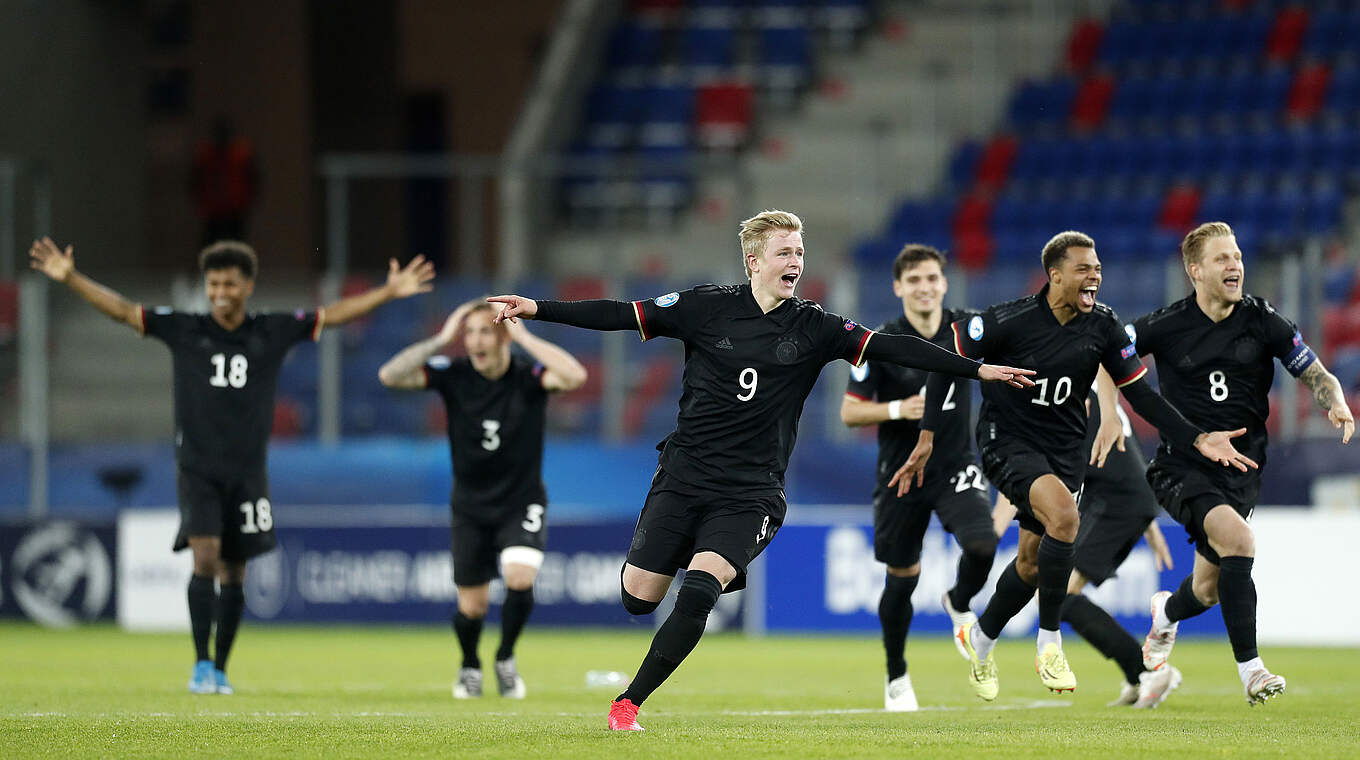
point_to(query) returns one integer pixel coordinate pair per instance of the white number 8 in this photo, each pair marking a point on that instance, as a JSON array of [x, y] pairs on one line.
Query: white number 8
[[747, 379], [1218, 386]]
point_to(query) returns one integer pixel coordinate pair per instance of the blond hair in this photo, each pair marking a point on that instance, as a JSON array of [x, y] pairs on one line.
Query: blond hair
[[758, 229], [1192, 247]]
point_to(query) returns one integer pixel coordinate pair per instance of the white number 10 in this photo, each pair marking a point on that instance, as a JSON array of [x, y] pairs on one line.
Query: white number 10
[[747, 380]]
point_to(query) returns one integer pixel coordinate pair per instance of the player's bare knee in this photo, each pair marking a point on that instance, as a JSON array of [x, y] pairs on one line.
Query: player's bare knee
[[1063, 524], [715, 565], [1028, 569], [473, 608], [905, 572], [519, 566], [1206, 591], [1076, 582]]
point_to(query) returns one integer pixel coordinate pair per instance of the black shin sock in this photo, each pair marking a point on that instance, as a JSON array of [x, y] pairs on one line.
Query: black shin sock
[[974, 566], [894, 614], [231, 602], [1237, 595], [468, 630], [514, 614], [1055, 569], [1183, 603], [677, 636], [202, 599], [1012, 594], [1105, 634]]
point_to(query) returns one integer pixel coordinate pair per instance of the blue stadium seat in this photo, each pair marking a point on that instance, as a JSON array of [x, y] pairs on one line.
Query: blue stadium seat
[[634, 44], [708, 47]]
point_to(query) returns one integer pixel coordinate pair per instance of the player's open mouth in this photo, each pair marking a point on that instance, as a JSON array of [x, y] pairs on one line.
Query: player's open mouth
[[1088, 296], [790, 279], [1232, 281]]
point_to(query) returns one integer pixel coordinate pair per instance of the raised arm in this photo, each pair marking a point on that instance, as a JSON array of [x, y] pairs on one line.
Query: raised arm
[[1182, 432], [405, 370], [562, 372], [60, 265], [402, 282], [1330, 398]]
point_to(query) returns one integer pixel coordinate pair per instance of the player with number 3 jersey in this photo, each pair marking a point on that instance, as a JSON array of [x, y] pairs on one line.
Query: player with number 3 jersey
[[226, 364], [495, 403], [1215, 352], [893, 398], [752, 354]]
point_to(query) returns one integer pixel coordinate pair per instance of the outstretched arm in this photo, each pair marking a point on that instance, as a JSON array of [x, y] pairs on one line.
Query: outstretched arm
[[1329, 397], [562, 372], [1182, 432], [60, 265], [402, 282], [911, 351], [598, 314], [405, 370]]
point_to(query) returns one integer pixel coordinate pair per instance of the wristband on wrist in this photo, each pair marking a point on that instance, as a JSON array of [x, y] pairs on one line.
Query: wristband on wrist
[[895, 409]]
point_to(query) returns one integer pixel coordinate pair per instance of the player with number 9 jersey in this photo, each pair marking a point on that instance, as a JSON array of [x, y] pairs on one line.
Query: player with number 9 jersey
[[752, 354], [226, 365]]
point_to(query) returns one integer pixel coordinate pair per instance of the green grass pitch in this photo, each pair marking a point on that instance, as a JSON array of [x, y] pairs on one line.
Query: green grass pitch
[[384, 692]]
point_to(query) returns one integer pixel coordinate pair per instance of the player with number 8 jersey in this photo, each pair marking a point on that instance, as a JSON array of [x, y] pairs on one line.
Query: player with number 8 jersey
[[752, 354], [226, 364], [495, 403]]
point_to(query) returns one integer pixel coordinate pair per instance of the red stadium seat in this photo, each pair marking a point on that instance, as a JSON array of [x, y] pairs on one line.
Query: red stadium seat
[[287, 418], [9, 310], [1308, 91], [724, 113], [1286, 35], [1180, 208], [973, 249], [1084, 44], [996, 161], [581, 289], [1092, 101]]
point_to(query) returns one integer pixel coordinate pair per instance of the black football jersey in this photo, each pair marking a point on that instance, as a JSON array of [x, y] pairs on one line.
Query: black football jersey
[[495, 433], [1051, 416], [1218, 374], [747, 374], [224, 384], [884, 381]]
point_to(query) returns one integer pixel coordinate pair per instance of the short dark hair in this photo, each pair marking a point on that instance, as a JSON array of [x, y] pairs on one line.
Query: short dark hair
[[1055, 250], [229, 254], [913, 254]]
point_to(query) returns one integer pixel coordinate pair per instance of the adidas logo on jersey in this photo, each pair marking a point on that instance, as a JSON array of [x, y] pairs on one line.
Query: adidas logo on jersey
[[725, 344]]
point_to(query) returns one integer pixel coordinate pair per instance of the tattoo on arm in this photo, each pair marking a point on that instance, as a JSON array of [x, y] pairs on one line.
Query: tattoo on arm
[[411, 358], [1324, 385]]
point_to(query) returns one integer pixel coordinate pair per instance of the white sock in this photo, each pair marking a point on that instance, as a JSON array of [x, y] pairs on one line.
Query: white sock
[[1243, 668], [1159, 619], [981, 643], [1049, 637]]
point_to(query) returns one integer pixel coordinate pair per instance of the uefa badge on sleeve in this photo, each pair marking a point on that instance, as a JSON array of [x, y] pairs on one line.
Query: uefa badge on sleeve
[[667, 300], [975, 328]]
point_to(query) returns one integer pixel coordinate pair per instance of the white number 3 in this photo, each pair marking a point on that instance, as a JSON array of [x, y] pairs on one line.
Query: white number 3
[[747, 380], [533, 518]]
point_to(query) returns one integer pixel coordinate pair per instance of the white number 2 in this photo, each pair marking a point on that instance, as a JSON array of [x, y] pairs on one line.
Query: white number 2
[[1062, 390], [747, 380], [258, 517], [533, 518], [1218, 386], [236, 378], [949, 403], [969, 477], [491, 437]]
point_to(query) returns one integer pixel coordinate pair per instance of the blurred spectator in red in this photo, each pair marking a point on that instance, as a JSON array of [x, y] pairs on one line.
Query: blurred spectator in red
[[225, 181]]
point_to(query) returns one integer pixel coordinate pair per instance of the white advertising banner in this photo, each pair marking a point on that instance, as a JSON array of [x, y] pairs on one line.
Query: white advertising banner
[[152, 580]]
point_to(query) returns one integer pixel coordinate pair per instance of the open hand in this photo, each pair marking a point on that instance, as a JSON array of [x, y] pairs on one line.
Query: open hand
[[45, 257], [1110, 434], [409, 280], [1218, 447], [1016, 378], [514, 306], [449, 332], [915, 466]]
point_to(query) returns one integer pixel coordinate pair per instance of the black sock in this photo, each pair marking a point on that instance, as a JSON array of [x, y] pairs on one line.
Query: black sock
[[202, 599], [894, 614], [677, 636], [1183, 604], [1011, 596], [974, 565], [1237, 595], [231, 602], [514, 614], [468, 630], [1107, 636], [1055, 569]]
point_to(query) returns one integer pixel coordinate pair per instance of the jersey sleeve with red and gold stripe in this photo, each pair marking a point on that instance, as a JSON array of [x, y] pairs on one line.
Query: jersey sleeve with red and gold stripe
[[673, 315], [842, 338], [975, 334], [1120, 356]]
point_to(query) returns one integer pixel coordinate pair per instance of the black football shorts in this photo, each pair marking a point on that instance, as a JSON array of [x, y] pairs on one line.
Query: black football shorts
[[236, 510]]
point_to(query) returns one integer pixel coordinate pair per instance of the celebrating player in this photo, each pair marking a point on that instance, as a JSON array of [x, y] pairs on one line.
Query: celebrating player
[[1116, 507], [495, 403], [1215, 352], [752, 355], [226, 364], [954, 487], [1031, 440]]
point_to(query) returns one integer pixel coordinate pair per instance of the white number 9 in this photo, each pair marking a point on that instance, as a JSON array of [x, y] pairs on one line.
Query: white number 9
[[747, 380]]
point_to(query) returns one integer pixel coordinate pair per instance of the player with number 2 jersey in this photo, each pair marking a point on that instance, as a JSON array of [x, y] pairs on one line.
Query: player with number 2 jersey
[[752, 354], [226, 364]]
